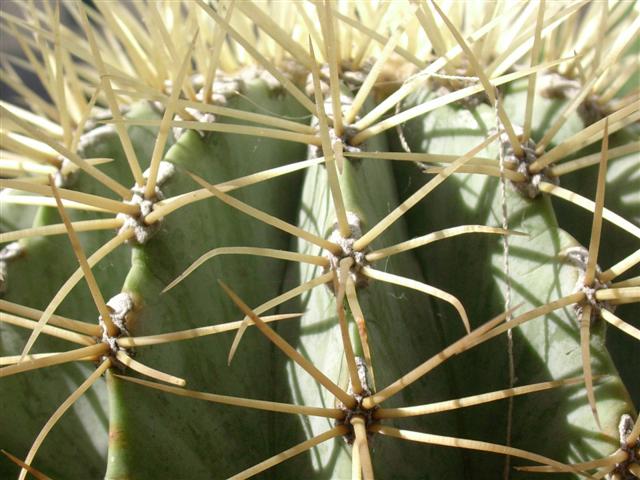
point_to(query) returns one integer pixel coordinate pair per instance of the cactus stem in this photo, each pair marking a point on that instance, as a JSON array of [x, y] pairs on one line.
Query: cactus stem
[[265, 217], [472, 400], [422, 287], [164, 207], [469, 444], [95, 375], [262, 252], [98, 299], [334, 413], [435, 236], [129, 342], [291, 452], [422, 192], [471, 339], [288, 350], [274, 302], [62, 293]]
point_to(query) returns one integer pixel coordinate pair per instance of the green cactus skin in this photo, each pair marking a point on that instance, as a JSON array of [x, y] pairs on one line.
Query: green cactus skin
[[123, 430]]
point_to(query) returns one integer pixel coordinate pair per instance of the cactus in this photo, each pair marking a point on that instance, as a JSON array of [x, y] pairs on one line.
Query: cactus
[[320, 240]]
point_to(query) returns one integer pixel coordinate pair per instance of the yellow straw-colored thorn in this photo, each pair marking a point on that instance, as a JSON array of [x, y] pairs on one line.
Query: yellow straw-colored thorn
[[60, 98], [367, 131], [57, 320], [488, 88], [620, 324], [327, 147], [531, 86], [79, 197], [621, 295], [25, 145], [165, 124], [617, 457], [326, 17], [47, 330], [273, 30], [240, 402], [629, 282], [96, 294], [59, 229], [472, 400], [72, 281], [291, 352], [620, 267], [214, 57], [165, 207], [419, 157], [134, 342], [532, 314], [42, 201], [261, 252], [421, 287], [423, 191], [52, 128], [266, 63], [381, 39], [297, 137], [362, 445], [341, 279], [588, 135], [483, 170], [13, 359], [585, 348], [468, 444], [291, 452], [142, 369], [60, 411], [593, 159], [270, 120], [354, 305], [372, 76], [37, 474], [265, 217], [417, 373], [125, 140], [274, 302], [65, 357], [589, 205], [596, 228], [72, 156]]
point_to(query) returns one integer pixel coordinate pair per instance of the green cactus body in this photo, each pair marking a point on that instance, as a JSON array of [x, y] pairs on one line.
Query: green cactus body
[[361, 240]]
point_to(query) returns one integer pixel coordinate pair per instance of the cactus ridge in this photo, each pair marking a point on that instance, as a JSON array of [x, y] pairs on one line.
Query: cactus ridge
[[294, 168]]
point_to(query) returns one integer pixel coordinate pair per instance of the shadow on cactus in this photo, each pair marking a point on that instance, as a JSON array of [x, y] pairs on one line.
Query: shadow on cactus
[[361, 193]]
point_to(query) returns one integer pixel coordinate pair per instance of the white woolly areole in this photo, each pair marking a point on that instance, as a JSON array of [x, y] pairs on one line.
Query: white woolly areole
[[579, 256], [142, 231], [8, 253], [531, 185], [119, 307], [346, 245]]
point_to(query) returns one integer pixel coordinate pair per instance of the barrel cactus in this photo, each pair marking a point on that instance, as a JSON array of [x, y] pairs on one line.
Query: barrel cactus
[[320, 240]]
